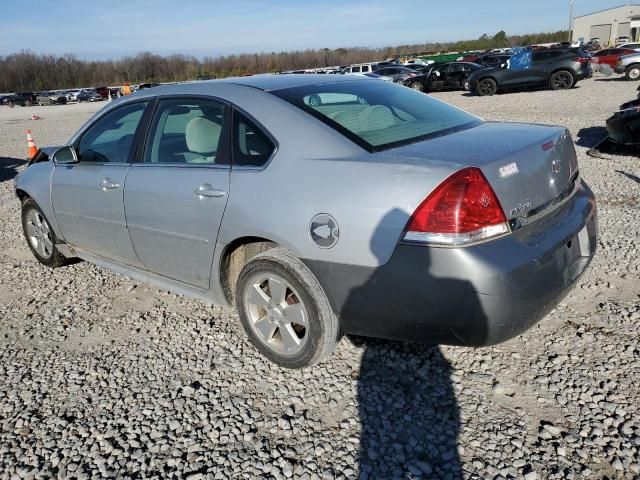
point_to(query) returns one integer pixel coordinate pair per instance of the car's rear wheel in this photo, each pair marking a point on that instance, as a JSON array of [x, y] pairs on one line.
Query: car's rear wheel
[[40, 236], [466, 85], [633, 73], [486, 87], [417, 86], [561, 80], [284, 310]]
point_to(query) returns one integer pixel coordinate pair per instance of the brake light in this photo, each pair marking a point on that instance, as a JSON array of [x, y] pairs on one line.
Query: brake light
[[583, 60], [463, 209]]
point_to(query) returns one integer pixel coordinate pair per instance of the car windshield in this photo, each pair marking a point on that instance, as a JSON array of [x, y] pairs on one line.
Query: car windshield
[[378, 115]]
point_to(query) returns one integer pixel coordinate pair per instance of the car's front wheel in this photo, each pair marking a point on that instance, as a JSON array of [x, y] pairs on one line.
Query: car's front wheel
[[486, 87], [633, 73], [562, 80], [40, 236], [417, 86], [284, 310]]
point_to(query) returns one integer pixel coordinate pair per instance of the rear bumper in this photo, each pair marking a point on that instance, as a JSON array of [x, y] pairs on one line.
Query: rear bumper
[[474, 296]]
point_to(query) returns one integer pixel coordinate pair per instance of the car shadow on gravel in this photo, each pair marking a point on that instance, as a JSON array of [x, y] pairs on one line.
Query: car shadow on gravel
[[591, 136], [9, 167], [409, 416]]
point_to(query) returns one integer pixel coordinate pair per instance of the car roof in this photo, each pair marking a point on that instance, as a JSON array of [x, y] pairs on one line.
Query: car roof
[[268, 82]]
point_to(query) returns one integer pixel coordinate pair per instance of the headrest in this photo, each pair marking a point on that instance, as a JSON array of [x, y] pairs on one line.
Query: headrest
[[202, 135]]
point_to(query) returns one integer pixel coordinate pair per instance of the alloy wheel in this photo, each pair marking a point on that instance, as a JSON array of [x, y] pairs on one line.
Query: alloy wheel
[[39, 234], [634, 73], [277, 313], [562, 81]]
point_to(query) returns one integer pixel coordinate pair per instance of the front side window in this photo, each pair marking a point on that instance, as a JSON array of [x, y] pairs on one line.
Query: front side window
[[251, 146], [109, 140], [378, 115], [187, 131], [355, 69], [365, 68]]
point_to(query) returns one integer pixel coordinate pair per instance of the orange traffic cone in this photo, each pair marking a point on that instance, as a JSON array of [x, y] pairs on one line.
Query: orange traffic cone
[[32, 149]]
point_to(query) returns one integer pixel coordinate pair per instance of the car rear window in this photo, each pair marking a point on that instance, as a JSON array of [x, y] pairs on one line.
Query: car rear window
[[378, 115]]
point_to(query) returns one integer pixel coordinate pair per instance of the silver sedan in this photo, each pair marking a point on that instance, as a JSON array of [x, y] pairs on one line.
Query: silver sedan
[[320, 206]]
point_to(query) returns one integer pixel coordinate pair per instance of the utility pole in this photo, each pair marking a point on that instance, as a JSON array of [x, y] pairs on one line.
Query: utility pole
[[571, 19]]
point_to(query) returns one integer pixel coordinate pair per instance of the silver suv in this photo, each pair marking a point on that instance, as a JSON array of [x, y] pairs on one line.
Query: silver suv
[[629, 65]]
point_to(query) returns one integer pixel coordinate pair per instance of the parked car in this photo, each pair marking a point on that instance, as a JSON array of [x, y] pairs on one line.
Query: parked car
[[4, 98], [88, 96], [102, 91], [632, 46], [51, 98], [24, 99], [622, 40], [362, 68], [557, 69], [439, 226], [398, 73], [610, 56], [445, 76], [629, 65]]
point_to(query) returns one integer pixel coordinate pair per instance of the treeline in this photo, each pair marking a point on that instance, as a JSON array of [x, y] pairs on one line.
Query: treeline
[[29, 71]]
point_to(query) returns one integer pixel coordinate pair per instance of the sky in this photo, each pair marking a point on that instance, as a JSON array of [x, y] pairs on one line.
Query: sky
[[101, 30]]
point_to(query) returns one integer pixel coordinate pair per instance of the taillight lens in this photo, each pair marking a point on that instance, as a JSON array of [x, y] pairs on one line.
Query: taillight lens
[[583, 60], [462, 210]]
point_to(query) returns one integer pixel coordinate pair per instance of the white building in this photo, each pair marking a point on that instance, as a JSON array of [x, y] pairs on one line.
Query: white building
[[608, 25]]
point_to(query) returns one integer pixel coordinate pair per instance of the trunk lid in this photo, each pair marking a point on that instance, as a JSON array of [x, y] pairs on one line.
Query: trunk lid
[[529, 166]]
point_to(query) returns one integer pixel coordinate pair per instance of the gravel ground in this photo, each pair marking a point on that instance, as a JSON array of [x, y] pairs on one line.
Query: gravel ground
[[101, 376]]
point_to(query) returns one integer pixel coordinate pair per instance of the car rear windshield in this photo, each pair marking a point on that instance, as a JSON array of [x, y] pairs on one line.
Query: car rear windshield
[[378, 115]]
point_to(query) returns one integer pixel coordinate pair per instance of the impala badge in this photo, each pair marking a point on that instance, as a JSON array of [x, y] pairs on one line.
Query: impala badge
[[556, 166]]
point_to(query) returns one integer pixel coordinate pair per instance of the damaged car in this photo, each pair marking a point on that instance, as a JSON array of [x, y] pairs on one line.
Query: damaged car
[[318, 206]]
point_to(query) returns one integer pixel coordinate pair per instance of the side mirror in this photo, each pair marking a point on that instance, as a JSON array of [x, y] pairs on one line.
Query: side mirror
[[65, 155]]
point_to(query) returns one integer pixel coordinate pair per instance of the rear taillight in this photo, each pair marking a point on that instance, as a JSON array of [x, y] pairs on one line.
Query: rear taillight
[[583, 60], [463, 209]]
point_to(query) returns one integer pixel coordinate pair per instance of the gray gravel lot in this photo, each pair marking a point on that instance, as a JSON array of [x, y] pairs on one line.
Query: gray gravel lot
[[101, 376]]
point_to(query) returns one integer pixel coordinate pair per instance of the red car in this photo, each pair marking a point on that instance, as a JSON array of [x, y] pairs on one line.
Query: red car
[[610, 56]]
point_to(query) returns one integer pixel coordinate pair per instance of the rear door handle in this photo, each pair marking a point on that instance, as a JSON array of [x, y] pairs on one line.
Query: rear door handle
[[108, 184], [206, 190]]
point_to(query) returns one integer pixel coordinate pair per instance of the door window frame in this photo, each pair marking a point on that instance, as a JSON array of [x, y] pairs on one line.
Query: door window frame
[[136, 135], [225, 135]]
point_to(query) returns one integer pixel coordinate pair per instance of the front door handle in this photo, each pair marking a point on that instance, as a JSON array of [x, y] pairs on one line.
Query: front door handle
[[108, 184], [206, 190]]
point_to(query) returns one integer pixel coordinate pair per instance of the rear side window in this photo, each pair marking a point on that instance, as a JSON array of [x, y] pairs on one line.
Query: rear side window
[[378, 115], [251, 146], [187, 131], [355, 69]]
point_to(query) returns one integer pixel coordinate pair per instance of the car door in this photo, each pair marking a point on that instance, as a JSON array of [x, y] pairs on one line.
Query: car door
[[87, 196], [177, 191]]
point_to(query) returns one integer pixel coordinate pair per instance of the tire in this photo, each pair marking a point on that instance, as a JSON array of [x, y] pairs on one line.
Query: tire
[[562, 80], [270, 324], [40, 238], [633, 73], [466, 85], [486, 87], [417, 86]]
